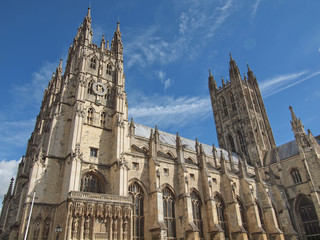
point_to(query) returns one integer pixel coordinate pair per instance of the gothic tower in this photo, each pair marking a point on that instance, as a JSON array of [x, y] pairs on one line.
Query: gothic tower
[[240, 116]]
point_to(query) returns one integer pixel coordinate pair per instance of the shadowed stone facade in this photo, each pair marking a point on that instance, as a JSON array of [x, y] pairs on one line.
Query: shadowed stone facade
[[100, 176]]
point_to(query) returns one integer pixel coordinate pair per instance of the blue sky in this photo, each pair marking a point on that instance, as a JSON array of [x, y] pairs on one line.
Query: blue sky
[[169, 46]]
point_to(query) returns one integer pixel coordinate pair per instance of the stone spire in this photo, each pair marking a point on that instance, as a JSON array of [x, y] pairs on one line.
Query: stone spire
[[212, 82], [9, 192], [116, 43], [233, 69], [103, 43], [296, 124]]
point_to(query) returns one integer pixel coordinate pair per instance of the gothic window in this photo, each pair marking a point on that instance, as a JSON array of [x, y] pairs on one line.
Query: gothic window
[[90, 183], [224, 106], [90, 116], [196, 210], [90, 90], [168, 213], [103, 119], [93, 63], [295, 174], [233, 103], [231, 143], [109, 69], [309, 219], [136, 194], [260, 215], [222, 219], [242, 143], [243, 214]]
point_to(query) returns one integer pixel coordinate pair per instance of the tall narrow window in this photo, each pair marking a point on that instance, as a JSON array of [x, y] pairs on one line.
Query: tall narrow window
[[224, 106], [103, 119], [243, 215], [309, 219], [168, 213], [196, 210], [242, 143], [138, 218], [295, 174], [260, 215], [90, 183], [222, 216], [109, 69], [231, 143], [90, 116], [93, 63], [90, 90], [233, 103]]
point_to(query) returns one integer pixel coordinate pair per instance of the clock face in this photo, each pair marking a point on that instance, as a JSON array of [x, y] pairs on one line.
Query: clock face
[[99, 89]]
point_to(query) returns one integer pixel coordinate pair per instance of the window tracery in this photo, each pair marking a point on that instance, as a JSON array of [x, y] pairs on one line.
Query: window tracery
[[168, 213], [93, 62], [109, 69], [90, 90], [90, 183], [233, 103], [224, 107], [103, 119], [90, 116], [222, 220], [136, 193], [196, 210], [295, 174]]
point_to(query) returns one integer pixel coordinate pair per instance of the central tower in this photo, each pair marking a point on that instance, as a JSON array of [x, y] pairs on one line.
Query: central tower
[[240, 116]]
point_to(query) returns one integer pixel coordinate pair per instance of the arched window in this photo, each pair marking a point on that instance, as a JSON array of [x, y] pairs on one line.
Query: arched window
[[242, 143], [222, 218], [90, 183], [103, 119], [90, 90], [233, 103], [90, 116], [196, 210], [93, 63], [224, 106], [309, 219], [138, 218], [109, 69], [168, 213], [243, 214], [295, 174], [231, 143], [260, 215]]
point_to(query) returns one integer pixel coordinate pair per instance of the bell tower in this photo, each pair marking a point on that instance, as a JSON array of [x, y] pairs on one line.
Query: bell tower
[[240, 116]]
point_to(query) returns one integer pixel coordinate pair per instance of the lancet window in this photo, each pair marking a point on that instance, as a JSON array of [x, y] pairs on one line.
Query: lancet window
[[93, 62], [136, 194], [222, 220], [224, 107], [309, 219], [295, 174], [242, 143], [90, 183], [103, 119], [243, 214], [168, 213], [90, 116], [233, 103], [90, 90], [109, 69], [231, 143], [196, 210]]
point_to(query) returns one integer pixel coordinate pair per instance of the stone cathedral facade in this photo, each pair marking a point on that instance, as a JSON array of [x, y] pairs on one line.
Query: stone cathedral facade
[[98, 175]]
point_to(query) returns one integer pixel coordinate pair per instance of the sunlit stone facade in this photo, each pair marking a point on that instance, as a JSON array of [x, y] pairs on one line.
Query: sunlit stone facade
[[98, 175]]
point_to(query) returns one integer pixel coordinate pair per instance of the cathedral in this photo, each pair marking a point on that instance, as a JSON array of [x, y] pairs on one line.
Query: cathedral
[[90, 173]]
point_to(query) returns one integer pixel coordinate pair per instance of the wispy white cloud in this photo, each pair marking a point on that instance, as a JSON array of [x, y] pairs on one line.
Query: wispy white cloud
[[196, 24], [255, 7], [169, 111], [281, 82], [166, 81], [8, 169]]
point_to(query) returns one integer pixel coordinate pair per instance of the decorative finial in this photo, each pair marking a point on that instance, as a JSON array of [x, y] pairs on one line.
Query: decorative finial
[[60, 64], [210, 75]]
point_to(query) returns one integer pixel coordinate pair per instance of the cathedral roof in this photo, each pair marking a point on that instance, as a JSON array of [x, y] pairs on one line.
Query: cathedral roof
[[168, 138]]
